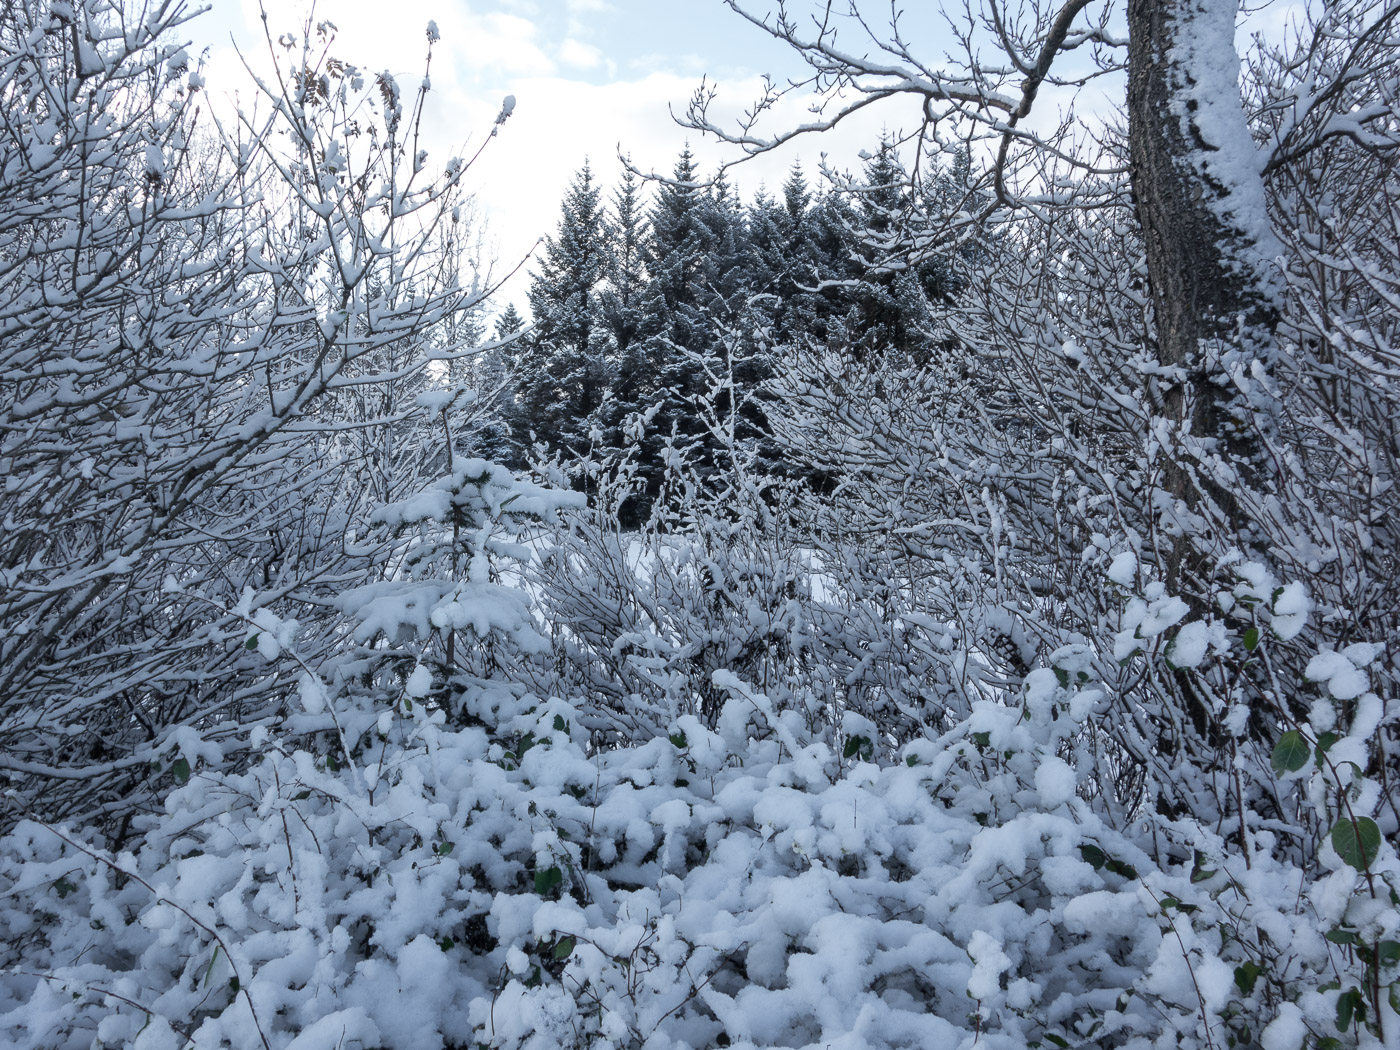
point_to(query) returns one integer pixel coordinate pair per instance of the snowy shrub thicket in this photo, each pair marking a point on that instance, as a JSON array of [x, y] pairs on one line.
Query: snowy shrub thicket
[[212, 340], [452, 867]]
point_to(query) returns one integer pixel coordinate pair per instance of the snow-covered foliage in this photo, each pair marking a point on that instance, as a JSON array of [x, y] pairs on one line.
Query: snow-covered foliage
[[210, 344], [496, 882]]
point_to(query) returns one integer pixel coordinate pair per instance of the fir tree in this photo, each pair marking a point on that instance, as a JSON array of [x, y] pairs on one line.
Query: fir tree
[[785, 263], [508, 323], [564, 371], [892, 295], [492, 373], [680, 260], [625, 267], [622, 310]]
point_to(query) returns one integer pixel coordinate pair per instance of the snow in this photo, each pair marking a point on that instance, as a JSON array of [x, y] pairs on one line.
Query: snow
[[990, 962], [787, 872], [1343, 679], [459, 776], [1287, 1031], [1325, 665], [1055, 782], [419, 683], [1207, 68], [1370, 713], [1189, 646], [1145, 620], [1291, 610], [1123, 569], [1347, 685], [312, 693]]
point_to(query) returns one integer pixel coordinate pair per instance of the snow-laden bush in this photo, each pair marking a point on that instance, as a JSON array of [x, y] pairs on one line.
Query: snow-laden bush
[[497, 883], [212, 339]]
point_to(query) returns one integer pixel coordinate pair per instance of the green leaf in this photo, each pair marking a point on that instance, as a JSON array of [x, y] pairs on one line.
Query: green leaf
[[209, 972], [911, 760], [679, 740], [1324, 744], [1251, 639], [1093, 855], [1388, 953], [233, 985], [1119, 867], [1199, 872], [560, 726], [181, 768], [1062, 676], [446, 944], [858, 745], [1341, 936], [442, 849], [1050, 1037], [1291, 753], [1246, 975], [1357, 841], [63, 887], [1172, 902], [982, 740], [564, 948], [546, 880], [251, 643], [1349, 1005]]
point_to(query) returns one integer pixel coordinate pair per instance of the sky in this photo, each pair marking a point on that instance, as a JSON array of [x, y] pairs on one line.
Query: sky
[[590, 77]]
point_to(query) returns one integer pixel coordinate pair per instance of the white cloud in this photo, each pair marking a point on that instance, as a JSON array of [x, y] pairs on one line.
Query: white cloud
[[499, 41], [691, 65], [576, 53]]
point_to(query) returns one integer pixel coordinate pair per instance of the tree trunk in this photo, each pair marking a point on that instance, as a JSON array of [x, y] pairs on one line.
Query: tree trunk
[[1200, 200]]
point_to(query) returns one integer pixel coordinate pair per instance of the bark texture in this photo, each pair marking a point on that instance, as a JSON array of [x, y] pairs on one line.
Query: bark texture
[[1211, 293]]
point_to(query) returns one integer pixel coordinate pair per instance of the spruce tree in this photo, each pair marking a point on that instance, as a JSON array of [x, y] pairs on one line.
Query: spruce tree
[[622, 310], [625, 267], [679, 256], [508, 323], [785, 263], [563, 367], [863, 234]]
